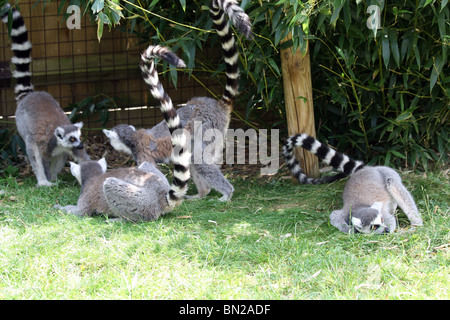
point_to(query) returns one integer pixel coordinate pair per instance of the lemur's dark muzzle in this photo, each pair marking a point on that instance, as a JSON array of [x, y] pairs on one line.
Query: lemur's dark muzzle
[[80, 146]]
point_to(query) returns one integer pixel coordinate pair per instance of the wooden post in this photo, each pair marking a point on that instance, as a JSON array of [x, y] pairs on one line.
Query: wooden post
[[298, 96]]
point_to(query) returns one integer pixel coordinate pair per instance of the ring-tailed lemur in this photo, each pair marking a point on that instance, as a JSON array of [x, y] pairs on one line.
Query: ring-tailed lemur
[[371, 194], [47, 132], [143, 193], [141, 144], [152, 145]]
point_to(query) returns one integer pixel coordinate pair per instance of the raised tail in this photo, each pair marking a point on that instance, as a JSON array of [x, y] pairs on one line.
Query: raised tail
[[241, 20], [180, 154], [338, 161], [21, 48]]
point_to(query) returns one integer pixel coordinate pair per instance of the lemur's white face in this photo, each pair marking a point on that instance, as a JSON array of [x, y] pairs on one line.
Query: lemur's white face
[[375, 226], [369, 219], [69, 139], [115, 141]]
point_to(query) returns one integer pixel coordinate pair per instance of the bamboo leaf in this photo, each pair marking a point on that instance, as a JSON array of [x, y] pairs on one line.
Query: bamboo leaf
[[337, 9], [102, 19], [405, 48], [183, 4], [385, 50], [98, 6], [398, 154], [274, 65], [435, 71], [393, 42], [441, 23], [404, 116], [387, 159], [347, 15]]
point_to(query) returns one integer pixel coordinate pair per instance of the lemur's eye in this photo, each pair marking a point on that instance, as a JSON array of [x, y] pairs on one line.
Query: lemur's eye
[[375, 226], [72, 139]]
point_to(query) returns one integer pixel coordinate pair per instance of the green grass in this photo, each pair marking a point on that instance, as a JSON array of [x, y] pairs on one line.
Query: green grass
[[272, 241]]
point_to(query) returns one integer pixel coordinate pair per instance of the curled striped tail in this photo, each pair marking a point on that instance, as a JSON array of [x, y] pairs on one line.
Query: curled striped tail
[[21, 48], [180, 154], [241, 20], [338, 161]]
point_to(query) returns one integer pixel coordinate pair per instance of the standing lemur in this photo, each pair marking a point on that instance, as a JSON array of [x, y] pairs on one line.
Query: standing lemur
[[47, 132], [143, 193], [153, 145], [371, 194]]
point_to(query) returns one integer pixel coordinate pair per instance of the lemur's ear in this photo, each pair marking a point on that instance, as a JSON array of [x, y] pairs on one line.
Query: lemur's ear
[[60, 133], [102, 163], [75, 170], [357, 222], [79, 125]]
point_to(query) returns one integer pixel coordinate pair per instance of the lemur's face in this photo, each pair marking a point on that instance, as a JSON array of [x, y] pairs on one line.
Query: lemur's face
[[69, 136], [369, 220], [117, 136]]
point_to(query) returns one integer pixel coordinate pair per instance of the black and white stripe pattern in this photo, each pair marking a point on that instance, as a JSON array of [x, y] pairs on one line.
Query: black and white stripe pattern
[[22, 53], [339, 161], [180, 155], [242, 22]]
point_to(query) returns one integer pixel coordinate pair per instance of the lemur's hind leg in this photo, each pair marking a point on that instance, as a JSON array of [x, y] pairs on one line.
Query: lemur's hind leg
[[70, 209], [35, 158], [203, 188], [390, 222], [214, 178], [56, 165], [402, 196], [339, 219]]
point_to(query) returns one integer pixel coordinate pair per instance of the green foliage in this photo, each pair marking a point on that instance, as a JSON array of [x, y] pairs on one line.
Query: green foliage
[[380, 94], [389, 88], [89, 106]]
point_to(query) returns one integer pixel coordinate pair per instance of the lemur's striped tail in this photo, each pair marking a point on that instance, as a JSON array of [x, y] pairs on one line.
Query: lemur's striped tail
[[241, 21], [21, 48], [180, 156], [339, 161]]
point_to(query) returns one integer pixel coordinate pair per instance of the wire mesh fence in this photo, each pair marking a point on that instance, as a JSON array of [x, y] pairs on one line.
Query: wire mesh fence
[[72, 65]]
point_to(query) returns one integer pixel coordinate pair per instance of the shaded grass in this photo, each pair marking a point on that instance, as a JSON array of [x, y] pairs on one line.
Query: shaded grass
[[272, 241]]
